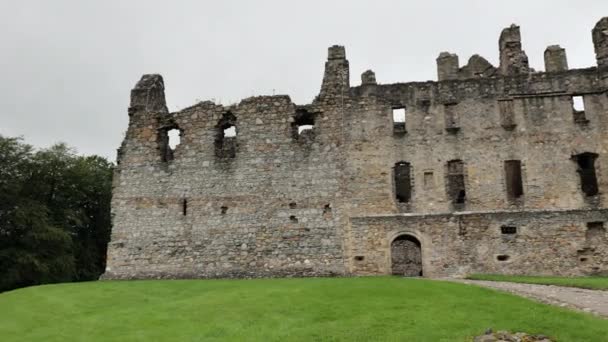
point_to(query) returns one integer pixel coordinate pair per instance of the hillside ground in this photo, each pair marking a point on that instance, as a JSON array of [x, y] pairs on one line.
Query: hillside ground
[[313, 309]]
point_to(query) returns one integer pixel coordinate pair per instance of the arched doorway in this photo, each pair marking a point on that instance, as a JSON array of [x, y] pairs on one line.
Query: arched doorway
[[406, 256]]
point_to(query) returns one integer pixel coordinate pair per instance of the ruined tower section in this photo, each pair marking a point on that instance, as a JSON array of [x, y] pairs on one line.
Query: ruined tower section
[[600, 42], [147, 110], [513, 59], [336, 79]]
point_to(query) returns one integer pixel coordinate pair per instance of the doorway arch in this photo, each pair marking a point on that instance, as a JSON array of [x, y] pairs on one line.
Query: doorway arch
[[406, 256]]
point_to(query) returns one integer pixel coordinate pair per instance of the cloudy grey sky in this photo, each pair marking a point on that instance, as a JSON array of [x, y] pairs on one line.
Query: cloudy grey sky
[[67, 66]]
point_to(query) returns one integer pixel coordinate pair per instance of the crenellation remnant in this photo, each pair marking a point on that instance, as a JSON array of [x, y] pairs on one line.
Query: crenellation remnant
[[447, 66], [368, 78], [336, 80], [555, 59], [477, 66], [488, 170]]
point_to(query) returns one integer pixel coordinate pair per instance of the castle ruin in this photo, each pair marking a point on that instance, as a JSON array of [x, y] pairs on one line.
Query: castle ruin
[[491, 169]]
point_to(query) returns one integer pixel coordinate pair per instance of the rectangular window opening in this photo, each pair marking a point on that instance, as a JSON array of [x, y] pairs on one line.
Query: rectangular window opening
[[184, 207], [578, 104], [174, 138], [169, 139], [226, 137], [587, 173], [399, 115], [403, 188], [303, 125], [578, 109], [399, 120], [455, 182], [508, 230], [513, 179], [452, 124]]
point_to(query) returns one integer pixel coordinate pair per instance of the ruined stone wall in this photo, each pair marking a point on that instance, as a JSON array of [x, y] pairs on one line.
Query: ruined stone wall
[[268, 204], [275, 202], [542, 133], [542, 242]]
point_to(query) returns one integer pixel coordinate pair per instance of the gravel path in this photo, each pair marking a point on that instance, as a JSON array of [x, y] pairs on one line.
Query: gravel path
[[591, 301]]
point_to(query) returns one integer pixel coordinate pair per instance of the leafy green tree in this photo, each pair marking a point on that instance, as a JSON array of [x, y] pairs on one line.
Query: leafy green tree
[[54, 214]]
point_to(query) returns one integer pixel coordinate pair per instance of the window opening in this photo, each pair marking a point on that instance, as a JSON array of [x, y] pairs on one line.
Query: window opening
[[304, 124], [403, 188], [169, 139], [578, 109], [452, 124], [225, 141], [508, 230], [513, 179], [456, 186], [502, 257], [586, 171], [399, 120], [184, 206]]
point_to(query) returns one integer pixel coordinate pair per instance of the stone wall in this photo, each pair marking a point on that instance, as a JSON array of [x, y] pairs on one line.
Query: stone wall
[[542, 242], [271, 210], [274, 201]]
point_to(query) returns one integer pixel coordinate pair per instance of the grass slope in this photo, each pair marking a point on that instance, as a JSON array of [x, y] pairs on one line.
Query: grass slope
[[349, 309], [594, 283]]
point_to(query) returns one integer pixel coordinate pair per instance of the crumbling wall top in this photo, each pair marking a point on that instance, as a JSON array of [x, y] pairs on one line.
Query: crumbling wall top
[[513, 59], [508, 35], [600, 42], [336, 52], [368, 77], [555, 59], [149, 94]]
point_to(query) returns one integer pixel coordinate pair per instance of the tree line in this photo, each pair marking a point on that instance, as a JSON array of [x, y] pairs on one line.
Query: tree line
[[54, 214]]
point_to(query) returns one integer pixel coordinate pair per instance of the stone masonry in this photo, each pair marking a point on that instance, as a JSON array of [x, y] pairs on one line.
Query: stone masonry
[[491, 169]]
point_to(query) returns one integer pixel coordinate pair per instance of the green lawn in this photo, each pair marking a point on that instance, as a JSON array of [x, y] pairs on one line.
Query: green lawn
[[594, 283], [321, 309]]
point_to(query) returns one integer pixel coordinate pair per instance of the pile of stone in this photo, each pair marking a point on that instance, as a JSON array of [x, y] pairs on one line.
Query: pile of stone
[[505, 336]]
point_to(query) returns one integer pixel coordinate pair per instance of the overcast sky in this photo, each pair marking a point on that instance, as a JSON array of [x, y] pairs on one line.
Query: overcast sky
[[67, 66]]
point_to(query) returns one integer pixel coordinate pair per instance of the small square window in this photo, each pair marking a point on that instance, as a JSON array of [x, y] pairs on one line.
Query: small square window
[[399, 114], [508, 230]]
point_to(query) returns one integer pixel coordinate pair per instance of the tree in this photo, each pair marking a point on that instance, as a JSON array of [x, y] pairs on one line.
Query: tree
[[54, 214]]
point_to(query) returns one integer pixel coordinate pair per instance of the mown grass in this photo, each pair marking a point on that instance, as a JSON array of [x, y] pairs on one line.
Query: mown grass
[[324, 309], [594, 283]]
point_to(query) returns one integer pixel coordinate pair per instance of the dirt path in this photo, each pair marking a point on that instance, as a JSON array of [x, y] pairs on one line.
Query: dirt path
[[591, 301]]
